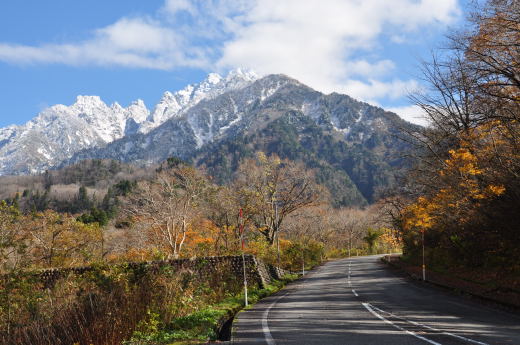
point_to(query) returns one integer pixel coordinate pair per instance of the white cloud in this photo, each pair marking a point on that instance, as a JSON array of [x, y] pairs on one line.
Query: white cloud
[[317, 42], [137, 35], [375, 89], [330, 45], [411, 113], [136, 42], [367, 69], [174, 6]]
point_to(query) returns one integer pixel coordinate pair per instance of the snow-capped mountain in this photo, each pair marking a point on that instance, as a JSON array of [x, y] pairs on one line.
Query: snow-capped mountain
[[351, 143], [58, 132], [187, 122], [246, 110]]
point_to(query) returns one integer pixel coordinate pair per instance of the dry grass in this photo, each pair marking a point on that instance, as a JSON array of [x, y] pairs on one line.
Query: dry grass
[[105, 306]]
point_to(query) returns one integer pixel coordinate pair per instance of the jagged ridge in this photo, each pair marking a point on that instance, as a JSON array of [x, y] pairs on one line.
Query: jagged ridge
[[354, 141], [58, 132]]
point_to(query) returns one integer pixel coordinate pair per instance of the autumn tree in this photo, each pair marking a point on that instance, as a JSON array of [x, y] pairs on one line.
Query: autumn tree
[[490, 46], [351, 225], [13, 263], [310, 223], [58, 240], [223, 209], [166, 206], [272, 189], [465, 186], [371, 239], [12, 238]]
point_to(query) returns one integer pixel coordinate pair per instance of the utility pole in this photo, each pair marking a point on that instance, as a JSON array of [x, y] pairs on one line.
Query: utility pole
[[349, 243], [241, 222], [277, 233], [303, 259], [423, 259]]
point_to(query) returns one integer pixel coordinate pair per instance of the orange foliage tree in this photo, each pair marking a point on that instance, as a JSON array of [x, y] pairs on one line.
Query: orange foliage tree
[[465, 189]]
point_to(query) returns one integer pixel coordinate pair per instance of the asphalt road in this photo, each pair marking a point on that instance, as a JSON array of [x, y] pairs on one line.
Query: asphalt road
[[376, 307]]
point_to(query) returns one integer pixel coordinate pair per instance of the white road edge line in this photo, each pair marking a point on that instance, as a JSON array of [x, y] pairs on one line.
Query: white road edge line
[[265, 327], [368, 306], [371, 308], [430, 328]]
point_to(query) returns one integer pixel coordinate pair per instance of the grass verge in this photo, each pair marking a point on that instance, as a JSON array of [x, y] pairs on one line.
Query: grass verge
[[203, 325]]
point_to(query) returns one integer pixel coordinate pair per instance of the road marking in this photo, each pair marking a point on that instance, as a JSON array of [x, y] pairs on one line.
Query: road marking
[[368, 306], [430, 328], [265, 327], [372, 309]]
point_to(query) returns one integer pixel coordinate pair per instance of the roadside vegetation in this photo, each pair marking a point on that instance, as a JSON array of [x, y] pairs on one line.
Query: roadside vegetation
[[464, 192], [203, 324], [273, 209]]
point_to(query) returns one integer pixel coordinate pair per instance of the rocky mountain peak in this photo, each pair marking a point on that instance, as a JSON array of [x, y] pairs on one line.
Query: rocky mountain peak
[[175, 104], [89, 100], [242, 74], [214, 78], [182, 122], [116, 106]]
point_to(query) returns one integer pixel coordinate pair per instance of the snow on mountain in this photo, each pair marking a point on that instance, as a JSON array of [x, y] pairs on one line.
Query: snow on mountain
[[183, 122], [175, 104], [247, 110], [60, 131]]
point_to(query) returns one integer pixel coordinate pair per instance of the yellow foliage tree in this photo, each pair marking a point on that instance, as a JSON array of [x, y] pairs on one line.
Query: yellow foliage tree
[[58, 240]]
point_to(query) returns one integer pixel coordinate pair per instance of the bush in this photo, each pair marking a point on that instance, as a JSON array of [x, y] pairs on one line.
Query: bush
[[109, 305]]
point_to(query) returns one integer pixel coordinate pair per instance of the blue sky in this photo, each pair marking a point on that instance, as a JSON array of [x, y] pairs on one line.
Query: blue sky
[[52, 51]]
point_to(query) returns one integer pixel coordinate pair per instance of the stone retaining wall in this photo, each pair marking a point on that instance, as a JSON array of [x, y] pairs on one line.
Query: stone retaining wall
[[257, 272]]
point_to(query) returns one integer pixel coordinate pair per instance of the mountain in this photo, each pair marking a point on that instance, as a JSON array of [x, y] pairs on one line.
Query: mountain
[[174, 105], [58, 132], [352, 146]]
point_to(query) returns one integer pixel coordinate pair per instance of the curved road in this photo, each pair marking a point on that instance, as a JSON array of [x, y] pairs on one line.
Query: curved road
[[375, 307]]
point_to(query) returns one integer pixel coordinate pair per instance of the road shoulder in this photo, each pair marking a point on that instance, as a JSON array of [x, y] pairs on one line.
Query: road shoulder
[[505, 300]]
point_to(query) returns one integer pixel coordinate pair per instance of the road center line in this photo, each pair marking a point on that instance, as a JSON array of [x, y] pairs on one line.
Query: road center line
[[368, 306], [265, 327]]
